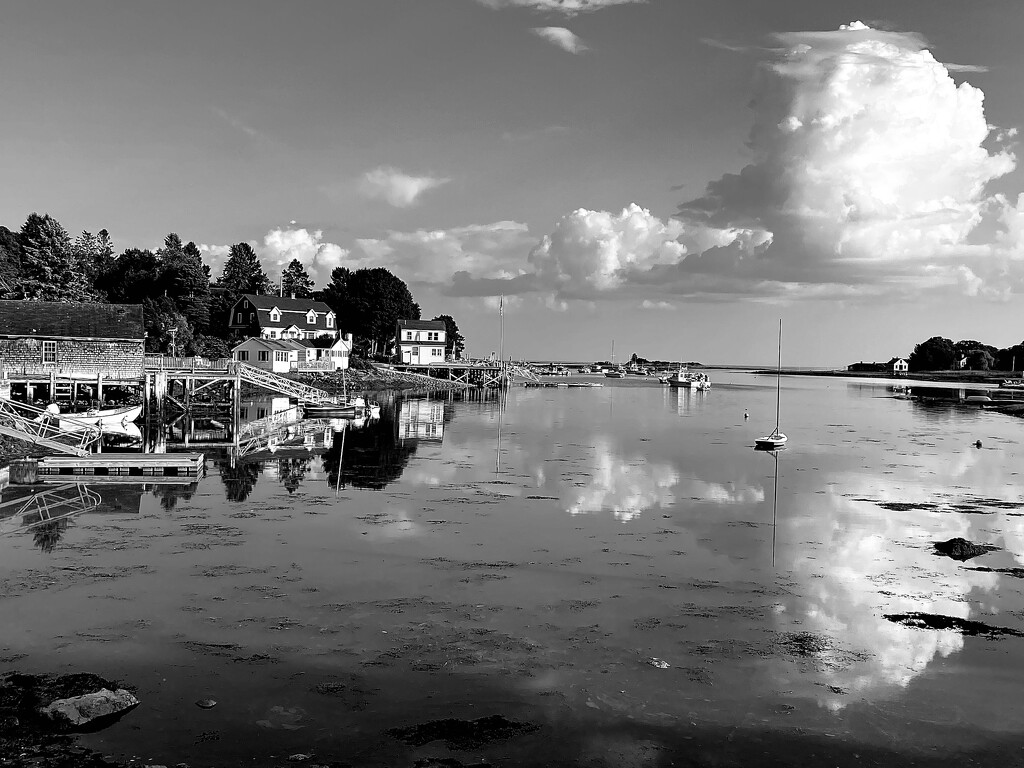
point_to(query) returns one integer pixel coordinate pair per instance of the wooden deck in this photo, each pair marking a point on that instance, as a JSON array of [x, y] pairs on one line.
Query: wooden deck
[[134, 465]]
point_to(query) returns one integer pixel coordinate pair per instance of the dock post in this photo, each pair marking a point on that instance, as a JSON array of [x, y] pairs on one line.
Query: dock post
[[99, 389], [53, 386]]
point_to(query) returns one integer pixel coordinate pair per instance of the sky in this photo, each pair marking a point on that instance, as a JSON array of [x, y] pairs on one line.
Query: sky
[[673, 176]]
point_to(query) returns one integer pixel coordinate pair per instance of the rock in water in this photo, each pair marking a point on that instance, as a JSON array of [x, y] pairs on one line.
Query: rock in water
[[206, 703], [81, 710], [962, 549]]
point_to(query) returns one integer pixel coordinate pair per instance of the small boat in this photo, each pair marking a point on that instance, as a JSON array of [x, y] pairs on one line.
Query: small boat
[[108, 418], [615, 373], [686, 379], [354, 407], [776, 439]]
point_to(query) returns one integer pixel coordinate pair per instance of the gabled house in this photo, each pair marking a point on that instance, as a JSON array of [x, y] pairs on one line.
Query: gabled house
[[420, 342], [43, 339], [899, 366], [282, 317]]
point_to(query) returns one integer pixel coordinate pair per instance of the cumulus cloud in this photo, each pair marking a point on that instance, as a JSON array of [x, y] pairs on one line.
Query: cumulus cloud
[[869, 166], [396, 187], [433, 255], [561, 37], [565, 7], [279, 246], [870, 175], [282, 244]]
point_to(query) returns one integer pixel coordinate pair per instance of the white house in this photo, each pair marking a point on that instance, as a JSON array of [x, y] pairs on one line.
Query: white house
[[284, 355], [420, 342], [275, 355], [281, 317], [900, 366]]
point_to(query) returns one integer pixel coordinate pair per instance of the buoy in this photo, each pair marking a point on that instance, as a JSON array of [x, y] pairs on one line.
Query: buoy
[[978, 444], [746, 415]]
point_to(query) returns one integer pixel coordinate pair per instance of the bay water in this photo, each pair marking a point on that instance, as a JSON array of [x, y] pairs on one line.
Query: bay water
[[613, 568]]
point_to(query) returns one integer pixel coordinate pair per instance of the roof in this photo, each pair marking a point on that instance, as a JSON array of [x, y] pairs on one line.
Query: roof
[[77, 321], [285, 303], [422, 325]]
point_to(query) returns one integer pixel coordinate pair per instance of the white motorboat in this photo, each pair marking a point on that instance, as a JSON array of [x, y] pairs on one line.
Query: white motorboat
[[109, 418], [686, 379], [615, 373], [776, 439]]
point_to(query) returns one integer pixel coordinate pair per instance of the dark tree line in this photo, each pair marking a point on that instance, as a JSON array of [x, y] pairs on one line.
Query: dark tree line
[[183, 305], [941, 354]]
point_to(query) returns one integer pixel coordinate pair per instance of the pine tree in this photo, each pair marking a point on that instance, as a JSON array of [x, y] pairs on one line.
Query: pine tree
[[243, 272], [50, 265], [296, 281]]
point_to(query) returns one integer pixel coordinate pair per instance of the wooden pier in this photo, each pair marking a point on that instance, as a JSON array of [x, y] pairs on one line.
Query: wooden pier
[[484, 374], [125, 465]]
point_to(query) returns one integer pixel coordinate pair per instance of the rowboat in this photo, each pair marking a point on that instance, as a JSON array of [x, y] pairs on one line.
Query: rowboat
[[108, 418]]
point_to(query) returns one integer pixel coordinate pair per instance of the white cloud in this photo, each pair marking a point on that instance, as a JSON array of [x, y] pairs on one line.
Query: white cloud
[[869, 178], [396, 187], [280, 245], [432, 256], [869, 166], [660, 305], [595, 251], [562, 38], [565, 7]]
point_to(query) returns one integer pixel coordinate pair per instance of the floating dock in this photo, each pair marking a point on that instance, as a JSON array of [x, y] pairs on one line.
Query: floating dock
[[118, 465]]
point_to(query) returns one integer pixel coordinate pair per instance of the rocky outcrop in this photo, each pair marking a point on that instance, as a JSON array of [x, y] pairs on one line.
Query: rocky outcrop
[[79, 711]]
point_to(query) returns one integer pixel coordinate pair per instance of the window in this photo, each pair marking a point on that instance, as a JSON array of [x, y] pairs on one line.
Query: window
[[415, 351], [263, 356], [242, 355], [275, 316], [261, 413], [436, 352], [330, 321], [408, 335], [245, 304], [238, 318], [273, 334], [252, 316], [311, 317], [281, 357], [49, 351]]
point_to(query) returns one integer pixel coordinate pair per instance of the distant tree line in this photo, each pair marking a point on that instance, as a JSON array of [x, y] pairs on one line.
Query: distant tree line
[[181, 300], [940, 354]]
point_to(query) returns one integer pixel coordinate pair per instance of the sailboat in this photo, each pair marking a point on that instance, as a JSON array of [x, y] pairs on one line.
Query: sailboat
[[776, 439]]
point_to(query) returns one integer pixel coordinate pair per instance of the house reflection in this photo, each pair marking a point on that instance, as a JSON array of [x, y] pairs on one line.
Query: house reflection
[[421, 419], [374, 454]]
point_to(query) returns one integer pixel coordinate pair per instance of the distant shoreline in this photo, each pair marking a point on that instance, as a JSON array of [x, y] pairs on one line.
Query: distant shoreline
[[955, 377]]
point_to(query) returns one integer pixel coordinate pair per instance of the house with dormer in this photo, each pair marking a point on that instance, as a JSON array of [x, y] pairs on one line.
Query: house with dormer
[[282, 317], [420, 342]]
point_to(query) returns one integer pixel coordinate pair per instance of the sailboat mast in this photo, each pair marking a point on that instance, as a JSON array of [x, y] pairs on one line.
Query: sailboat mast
[[778, 379]]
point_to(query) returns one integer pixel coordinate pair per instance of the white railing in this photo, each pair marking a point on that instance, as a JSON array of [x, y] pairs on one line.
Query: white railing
[[169, 363], [313, 365]]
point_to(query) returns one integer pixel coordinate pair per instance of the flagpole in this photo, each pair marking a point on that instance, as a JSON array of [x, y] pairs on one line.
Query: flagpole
[[501, 323]]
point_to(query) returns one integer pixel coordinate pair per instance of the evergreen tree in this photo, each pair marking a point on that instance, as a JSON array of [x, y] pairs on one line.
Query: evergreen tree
[[132, 277], [10, 260], [184, 279], [296, 281], [50, 266], [243, 272]]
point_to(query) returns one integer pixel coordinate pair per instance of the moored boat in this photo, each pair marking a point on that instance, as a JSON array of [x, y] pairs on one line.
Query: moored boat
[[686, 379], [104, 418], [615, 373]]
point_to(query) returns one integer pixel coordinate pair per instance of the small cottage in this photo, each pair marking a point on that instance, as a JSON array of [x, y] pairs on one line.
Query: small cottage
[[420, 342], [275, 355]]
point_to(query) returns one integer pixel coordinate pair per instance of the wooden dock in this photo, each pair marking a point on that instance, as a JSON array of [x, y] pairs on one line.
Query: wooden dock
[[120, 465]]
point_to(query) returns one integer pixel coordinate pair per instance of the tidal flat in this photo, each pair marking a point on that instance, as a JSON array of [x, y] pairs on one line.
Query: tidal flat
[[605, 577]]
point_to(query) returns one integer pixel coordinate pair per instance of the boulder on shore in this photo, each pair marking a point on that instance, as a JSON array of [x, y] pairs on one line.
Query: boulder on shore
[[82, 710]]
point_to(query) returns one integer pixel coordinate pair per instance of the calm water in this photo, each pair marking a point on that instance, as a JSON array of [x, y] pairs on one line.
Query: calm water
[[614, 565]]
